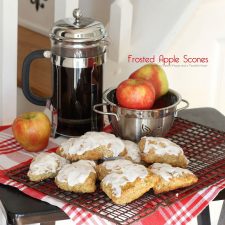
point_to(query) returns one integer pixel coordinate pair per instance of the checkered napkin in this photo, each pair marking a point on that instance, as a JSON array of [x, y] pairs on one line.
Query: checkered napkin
[[181, 212]]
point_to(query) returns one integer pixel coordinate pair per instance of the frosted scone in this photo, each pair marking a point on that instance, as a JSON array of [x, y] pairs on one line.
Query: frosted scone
[[171, 178], [111, 166], [129, 184], [79, 176], [132, 151], [162, 150], [45, 165], [92, 146]]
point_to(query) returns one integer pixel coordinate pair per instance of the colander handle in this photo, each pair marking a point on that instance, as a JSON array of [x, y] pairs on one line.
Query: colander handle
[[102, 112], [184, 107]]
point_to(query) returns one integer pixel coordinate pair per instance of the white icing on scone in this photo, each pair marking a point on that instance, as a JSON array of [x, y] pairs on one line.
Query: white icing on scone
[[128, 173], [92, 140], [161, 146], [167, 171], [46, 163], [76, 173], [116, 165], [133, 150]]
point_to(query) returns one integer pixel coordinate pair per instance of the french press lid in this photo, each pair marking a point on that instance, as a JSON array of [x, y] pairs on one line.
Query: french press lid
[[78, 29]]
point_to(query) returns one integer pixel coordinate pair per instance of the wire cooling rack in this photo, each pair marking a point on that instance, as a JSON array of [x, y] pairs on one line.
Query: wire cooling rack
[[204, 147]]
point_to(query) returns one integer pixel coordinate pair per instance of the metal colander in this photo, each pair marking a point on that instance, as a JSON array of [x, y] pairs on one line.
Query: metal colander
[[133, 124]]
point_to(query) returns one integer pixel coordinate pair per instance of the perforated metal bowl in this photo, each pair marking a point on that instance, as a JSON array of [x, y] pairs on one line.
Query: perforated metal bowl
[[133, 124]]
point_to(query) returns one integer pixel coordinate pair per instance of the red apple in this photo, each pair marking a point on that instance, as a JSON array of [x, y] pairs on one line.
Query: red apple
[[135, 94], [32, 131], [156, 75]]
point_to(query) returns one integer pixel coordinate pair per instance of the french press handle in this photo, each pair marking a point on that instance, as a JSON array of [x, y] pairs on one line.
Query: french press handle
[[37, 100]]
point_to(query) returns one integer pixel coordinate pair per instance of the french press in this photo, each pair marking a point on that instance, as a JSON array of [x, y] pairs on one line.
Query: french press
[[78, 52]]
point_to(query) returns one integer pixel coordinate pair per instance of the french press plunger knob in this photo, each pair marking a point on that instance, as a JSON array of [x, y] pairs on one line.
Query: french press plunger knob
[[77, 14]]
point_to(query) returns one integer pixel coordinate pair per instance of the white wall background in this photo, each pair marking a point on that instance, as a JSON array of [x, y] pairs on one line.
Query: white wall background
[[8, 60], [1, 59], [155, 23], [202, 36], [41, 20], [98, 9]]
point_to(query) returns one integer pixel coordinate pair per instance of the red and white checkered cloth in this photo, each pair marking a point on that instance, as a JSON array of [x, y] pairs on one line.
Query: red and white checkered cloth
[[181, 212]]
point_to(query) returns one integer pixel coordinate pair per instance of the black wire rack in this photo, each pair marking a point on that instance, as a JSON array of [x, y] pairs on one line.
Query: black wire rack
[[204, 147]]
